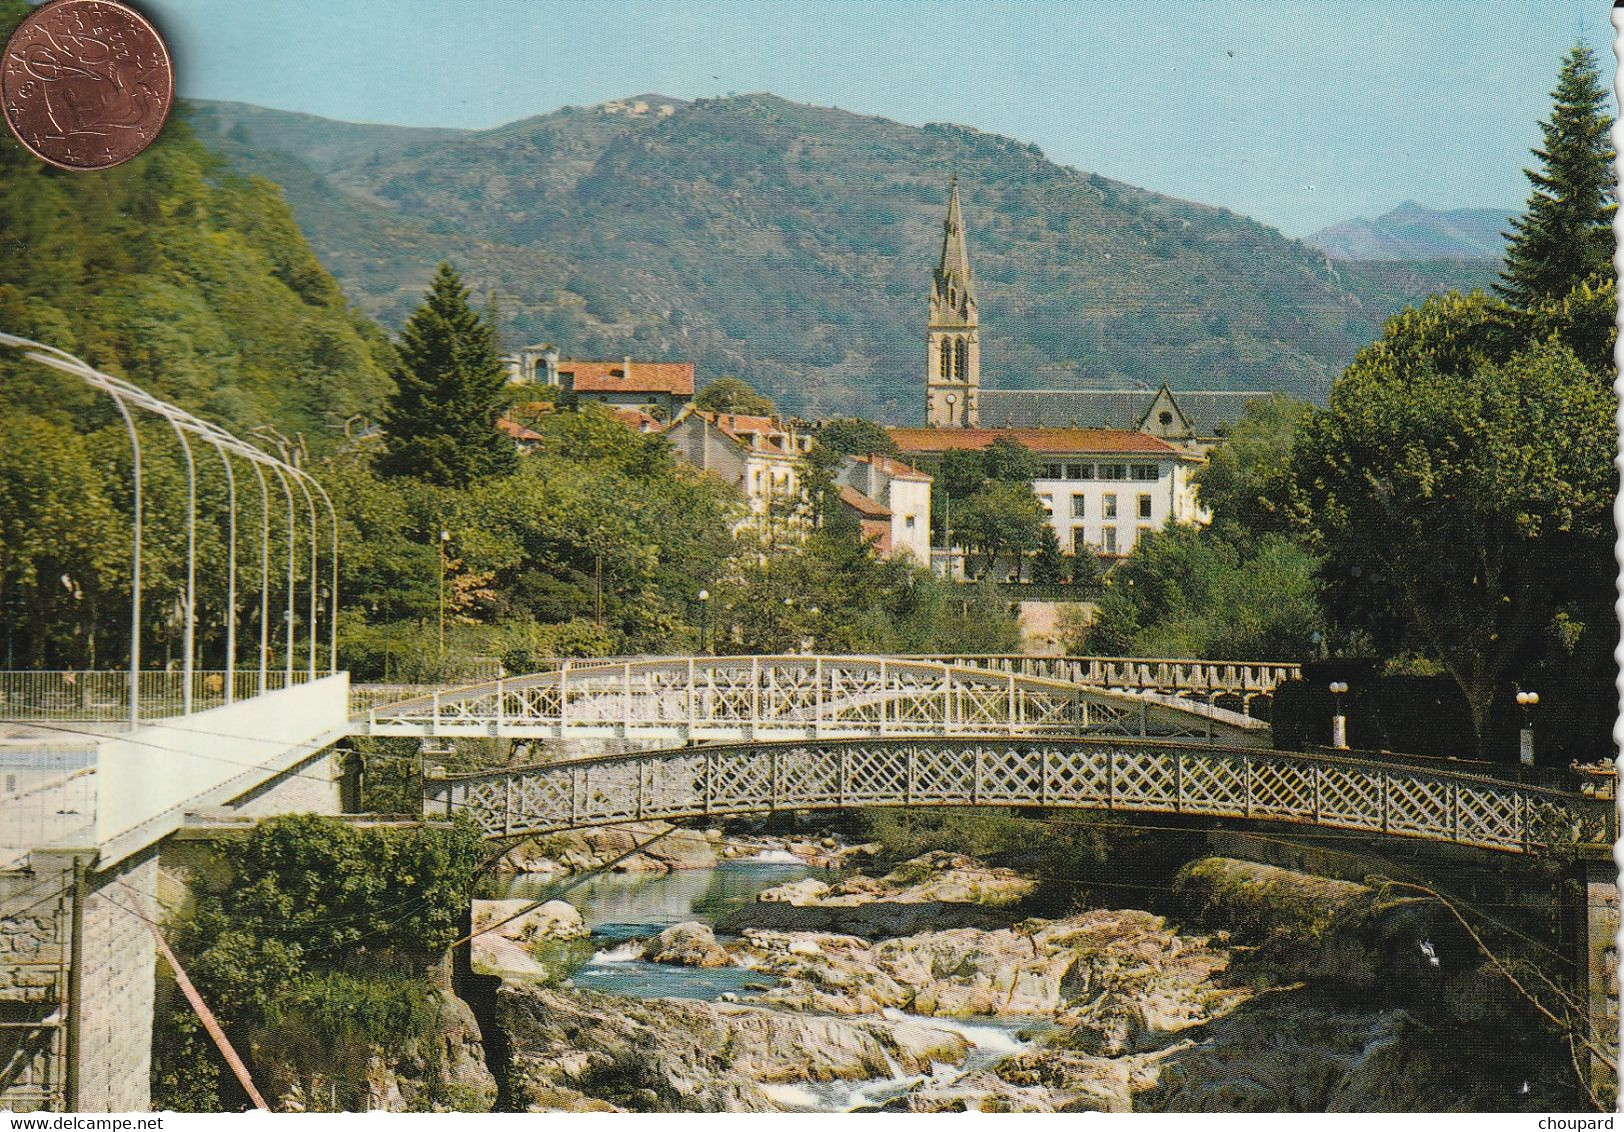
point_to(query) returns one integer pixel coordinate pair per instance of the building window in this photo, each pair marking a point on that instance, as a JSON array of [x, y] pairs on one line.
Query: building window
[[1079, 509], [1166, 418], [947, 357], [1146, 471], [1109, 545], [1079, 541], [1144, 506], [1051, 472], [1108, 509], [1047, 502], [1075, 472], [1113, 471], [952, 297], [961, 359], [908, 522]]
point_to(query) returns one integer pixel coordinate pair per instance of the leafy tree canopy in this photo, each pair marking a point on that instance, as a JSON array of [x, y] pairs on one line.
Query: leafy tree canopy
[[730, 395], [1458, 504], [853, 437], [1189, 592], [1247, 479]]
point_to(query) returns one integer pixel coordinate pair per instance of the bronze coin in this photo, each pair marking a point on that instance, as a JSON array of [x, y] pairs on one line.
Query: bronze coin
[[86, 84]]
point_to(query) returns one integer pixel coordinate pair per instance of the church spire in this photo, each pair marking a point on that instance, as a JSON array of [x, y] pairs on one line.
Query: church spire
[[953, 332], [954, 268]]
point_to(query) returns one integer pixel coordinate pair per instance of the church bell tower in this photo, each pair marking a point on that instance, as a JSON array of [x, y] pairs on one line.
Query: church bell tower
[[953, 336]]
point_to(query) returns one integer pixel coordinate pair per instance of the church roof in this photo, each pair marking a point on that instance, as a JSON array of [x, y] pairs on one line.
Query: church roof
[[1209, 411], [1059, 441]]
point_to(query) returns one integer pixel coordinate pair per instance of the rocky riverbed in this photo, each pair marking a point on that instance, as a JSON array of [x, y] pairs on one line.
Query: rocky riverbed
[[932, 986]]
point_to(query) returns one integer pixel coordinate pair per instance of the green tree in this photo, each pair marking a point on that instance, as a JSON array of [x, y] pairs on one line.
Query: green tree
[[730, 395], [1566, 236], [853, 437], [1002, 519], [441, 421], [1458, 510], [1247, 479], [1010, 461], [1189, 592]]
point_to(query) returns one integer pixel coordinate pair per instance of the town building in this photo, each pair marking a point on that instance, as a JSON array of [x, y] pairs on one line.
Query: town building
[[758, 455], [873, 519], [1102, 488], [892, 498], [660, 389]]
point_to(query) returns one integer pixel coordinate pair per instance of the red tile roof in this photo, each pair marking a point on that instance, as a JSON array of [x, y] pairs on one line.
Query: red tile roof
[[517, 431], [1068, 441], [863, 505], [636, 420], [644, 377], [769, 434], [894, 468]]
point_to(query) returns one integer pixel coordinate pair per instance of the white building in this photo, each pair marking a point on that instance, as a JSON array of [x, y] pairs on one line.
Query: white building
[[903, 492], [1102, 488], [757, 455]]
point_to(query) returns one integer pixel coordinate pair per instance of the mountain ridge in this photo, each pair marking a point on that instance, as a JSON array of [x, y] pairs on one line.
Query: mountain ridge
[[1411, 231], [791, 245]]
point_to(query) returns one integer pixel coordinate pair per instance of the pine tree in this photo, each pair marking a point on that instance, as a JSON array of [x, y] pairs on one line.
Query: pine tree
[[441, 421], [1566, 235]]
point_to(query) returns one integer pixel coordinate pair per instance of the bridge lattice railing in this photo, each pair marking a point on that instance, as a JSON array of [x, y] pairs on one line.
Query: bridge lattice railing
[[1129, 776], [794, 696]]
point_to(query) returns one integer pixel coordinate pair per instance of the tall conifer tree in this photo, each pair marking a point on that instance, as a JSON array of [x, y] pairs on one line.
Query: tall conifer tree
[[441, 421], [1566, 235]]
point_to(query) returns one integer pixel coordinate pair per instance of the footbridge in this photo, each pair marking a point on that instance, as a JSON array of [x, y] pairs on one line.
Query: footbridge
[[234, 581], [1093, 773], [735, 699]]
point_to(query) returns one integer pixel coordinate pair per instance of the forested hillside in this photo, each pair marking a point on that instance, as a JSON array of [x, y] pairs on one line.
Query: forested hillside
[[792, 244], [186, 277]]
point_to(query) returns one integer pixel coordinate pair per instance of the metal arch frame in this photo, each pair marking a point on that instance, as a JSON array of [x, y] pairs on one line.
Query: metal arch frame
[[1136, 776], [125, 394], [796, 696], [1190, 678]]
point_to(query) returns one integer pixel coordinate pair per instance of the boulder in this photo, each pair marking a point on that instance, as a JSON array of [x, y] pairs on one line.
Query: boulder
[[687, 945], [586, 849], [570, 1049], [556, 919]]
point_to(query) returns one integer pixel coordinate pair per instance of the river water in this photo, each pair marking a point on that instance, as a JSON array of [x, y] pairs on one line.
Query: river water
[[622, 907]]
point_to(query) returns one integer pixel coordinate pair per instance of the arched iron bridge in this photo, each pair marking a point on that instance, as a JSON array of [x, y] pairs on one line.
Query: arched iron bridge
[[731, 699], [1118, 775]]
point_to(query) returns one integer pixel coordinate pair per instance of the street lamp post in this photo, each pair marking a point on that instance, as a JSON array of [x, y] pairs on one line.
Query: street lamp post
[[1525, 743], [445, 537], [704, 622], [1339, 721]]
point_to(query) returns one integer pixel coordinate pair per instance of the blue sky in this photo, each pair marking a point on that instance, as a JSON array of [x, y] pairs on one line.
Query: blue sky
[[1299, 114]]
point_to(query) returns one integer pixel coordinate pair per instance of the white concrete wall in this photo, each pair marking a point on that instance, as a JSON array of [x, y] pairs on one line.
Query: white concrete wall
[[910, 499], [147, 777], [1171, 499]]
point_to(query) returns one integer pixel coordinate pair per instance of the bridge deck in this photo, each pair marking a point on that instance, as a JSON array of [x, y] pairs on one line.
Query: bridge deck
[[1118, 775], [723, 699]]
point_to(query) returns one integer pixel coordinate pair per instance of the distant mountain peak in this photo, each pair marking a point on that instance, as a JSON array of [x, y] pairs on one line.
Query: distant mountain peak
[[1412, 231]]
